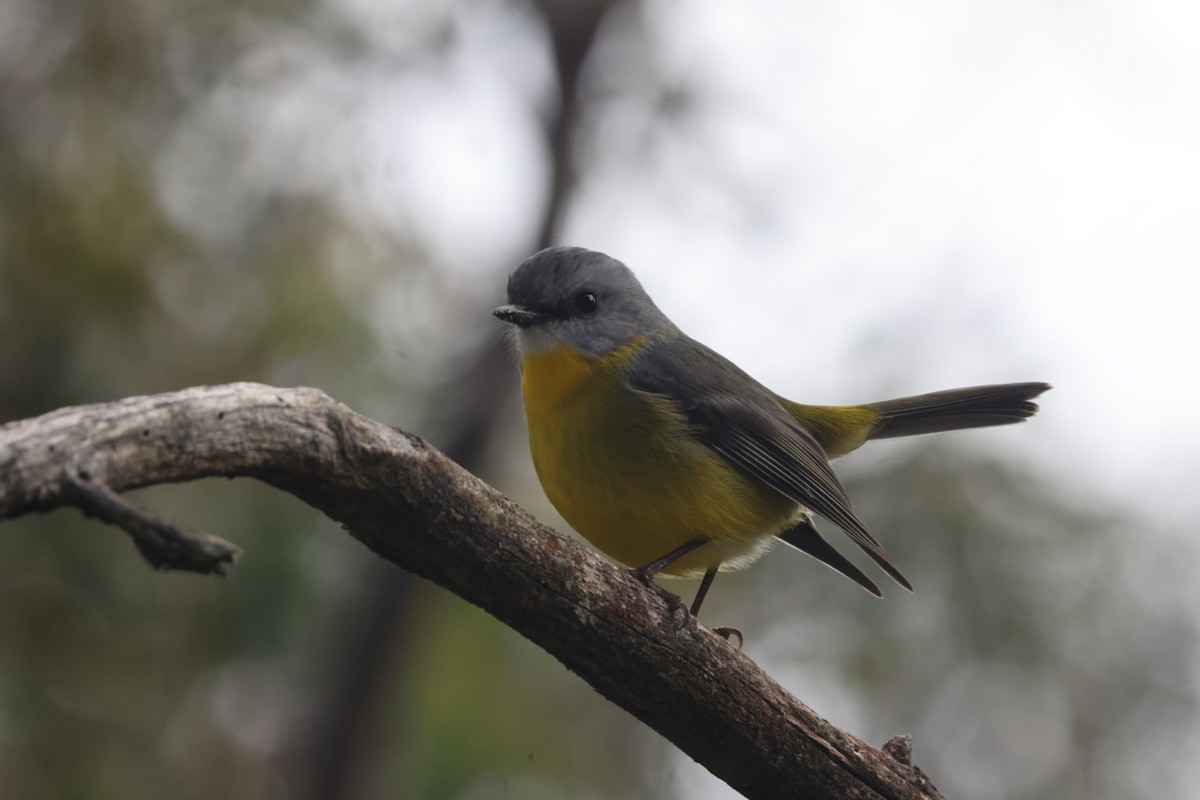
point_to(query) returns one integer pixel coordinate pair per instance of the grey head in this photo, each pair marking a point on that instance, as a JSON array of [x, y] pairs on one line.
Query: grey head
[[578, 297]]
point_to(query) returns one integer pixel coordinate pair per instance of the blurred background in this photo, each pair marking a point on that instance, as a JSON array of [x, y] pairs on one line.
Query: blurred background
[[851, 201]]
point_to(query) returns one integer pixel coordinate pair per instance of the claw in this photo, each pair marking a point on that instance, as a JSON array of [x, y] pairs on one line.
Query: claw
[[645, 577], [726, 633], [673, 601]]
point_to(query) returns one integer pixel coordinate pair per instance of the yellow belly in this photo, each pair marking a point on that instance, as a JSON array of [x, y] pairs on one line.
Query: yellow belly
[[624, 469]]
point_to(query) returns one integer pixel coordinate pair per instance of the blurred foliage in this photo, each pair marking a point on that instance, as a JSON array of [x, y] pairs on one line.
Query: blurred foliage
[[146, 244], [1034, 637]]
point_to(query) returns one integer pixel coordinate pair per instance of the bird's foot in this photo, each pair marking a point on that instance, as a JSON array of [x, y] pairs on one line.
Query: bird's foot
[[676, 608], [728, 633]]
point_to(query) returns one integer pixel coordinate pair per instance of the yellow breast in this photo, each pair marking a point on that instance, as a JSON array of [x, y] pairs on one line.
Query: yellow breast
[[626, 470]]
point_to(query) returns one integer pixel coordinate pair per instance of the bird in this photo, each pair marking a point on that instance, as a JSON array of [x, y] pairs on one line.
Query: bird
[[671, 459]]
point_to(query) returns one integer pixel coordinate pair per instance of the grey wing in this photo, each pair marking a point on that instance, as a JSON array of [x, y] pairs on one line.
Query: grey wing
[[739, 419]]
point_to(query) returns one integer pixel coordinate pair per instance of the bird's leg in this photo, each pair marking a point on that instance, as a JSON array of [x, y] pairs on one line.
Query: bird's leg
[[646, 576], [703, 590], [724, 633]]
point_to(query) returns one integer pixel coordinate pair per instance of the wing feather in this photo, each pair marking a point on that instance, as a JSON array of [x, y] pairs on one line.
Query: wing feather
[[805, 537], [741, 420]]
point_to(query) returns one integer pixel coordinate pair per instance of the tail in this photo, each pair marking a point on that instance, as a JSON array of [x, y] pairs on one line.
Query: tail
[[973, 407], [840, 429]]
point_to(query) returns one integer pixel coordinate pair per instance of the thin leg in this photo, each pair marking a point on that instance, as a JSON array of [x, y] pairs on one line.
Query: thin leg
[[644, 574], [701, 593], [703, 590]]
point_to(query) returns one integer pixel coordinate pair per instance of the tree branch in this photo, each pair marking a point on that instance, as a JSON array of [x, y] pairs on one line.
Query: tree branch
[[416, 508], [165, 544]]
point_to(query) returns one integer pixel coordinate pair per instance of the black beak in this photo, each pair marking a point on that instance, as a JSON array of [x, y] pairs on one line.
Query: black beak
[[519, 316]]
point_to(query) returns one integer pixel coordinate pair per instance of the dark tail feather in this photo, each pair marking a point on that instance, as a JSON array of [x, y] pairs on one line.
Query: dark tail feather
[[973, 407], [805, 537]]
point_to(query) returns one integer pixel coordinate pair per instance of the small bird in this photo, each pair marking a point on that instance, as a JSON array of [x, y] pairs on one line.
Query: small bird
[[668, 457]]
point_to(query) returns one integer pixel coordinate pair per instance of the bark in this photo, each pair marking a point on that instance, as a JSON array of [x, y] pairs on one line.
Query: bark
[[418, 509]]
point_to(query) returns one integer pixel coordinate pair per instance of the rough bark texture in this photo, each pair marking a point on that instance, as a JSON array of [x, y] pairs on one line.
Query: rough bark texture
[[416, 508]]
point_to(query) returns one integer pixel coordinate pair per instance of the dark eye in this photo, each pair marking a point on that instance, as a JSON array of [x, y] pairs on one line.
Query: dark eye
[[586, 302]]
